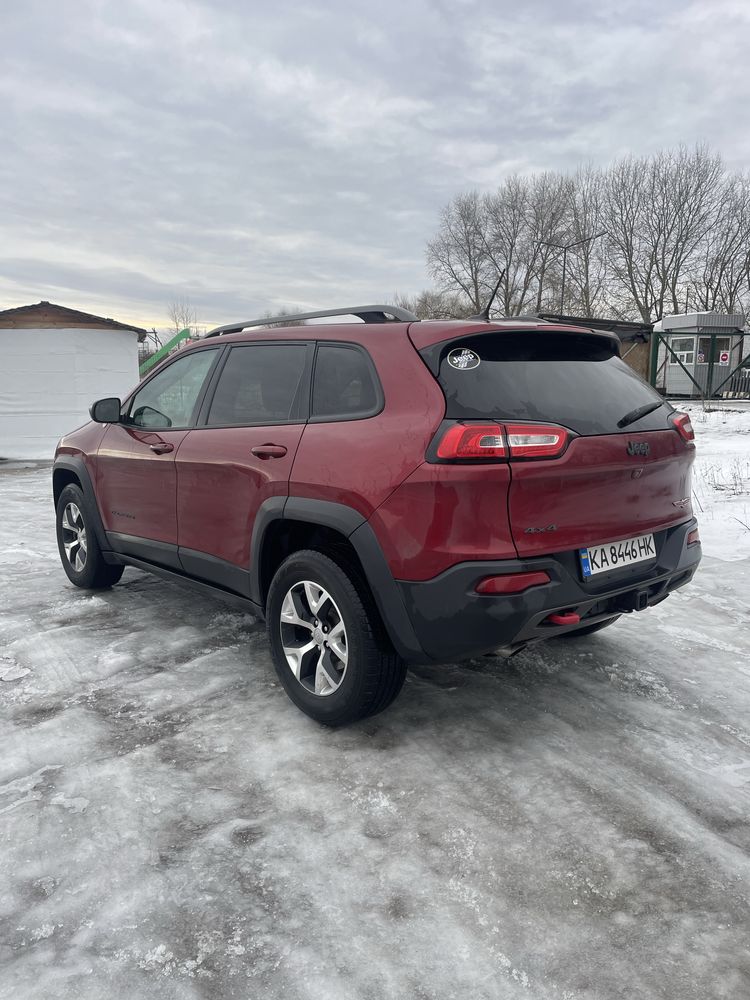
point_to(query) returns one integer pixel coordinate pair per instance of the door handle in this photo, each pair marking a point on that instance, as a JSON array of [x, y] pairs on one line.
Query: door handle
[[269, 451], [162, 449]]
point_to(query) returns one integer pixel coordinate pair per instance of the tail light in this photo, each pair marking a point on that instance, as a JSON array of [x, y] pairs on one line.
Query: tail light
[[472, 441], [536, 440], [492, 442], [693, 537], [683, 426]]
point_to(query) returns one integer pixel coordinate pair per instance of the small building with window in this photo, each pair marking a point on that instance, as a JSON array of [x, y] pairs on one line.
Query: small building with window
[[710, 345]]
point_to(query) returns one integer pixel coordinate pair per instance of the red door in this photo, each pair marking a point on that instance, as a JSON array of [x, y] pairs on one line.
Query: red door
[[136, 481], [223, 476], [242, 456]]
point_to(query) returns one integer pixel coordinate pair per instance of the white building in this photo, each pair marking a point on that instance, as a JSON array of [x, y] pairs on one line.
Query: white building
[[54, 362], [709, 344]]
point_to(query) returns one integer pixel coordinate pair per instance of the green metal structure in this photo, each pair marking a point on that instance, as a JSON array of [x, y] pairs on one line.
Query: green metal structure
[[163, 352], [709, 390]]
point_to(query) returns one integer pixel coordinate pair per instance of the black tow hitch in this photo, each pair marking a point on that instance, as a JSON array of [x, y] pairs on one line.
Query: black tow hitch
[[635, 600]]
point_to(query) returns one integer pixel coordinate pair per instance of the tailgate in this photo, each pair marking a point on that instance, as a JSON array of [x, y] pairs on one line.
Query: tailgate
[[599, 492]]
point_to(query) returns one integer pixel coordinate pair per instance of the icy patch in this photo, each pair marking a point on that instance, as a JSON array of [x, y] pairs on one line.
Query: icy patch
[[24, 789], [547, 826], [639, 682], [46, 885], [40, 933], [738, 735], [10, 670], [76, 804]]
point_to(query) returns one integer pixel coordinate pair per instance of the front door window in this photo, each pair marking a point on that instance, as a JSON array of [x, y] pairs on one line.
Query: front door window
[[169, 398]]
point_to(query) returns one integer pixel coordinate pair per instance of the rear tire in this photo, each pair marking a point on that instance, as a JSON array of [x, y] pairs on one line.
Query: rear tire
[[589, 629], [328, 644], [79, 550]]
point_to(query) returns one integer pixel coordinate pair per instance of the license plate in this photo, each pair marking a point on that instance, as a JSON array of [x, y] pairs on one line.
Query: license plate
[[604, 558]]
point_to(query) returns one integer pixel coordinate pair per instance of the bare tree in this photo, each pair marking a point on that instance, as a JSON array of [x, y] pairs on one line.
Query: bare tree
[[549, 224], [182, 316], [458, 256], [722, 274], [587, 262], [281, 312], [432, 304], [510, 245], [629, 255], [659, 211], [676, 224]]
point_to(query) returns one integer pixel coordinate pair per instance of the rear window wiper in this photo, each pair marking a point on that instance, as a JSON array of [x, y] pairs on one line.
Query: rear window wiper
[[641, 411]]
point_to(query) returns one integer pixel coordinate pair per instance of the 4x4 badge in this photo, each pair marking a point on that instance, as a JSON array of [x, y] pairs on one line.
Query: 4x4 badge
[[638, 447], [463, 359]]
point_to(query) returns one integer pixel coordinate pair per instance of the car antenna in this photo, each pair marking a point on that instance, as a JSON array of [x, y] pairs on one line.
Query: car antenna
[[484, 315]]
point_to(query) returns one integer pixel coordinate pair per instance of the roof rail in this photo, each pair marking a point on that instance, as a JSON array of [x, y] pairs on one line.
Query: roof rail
[[370, 314]]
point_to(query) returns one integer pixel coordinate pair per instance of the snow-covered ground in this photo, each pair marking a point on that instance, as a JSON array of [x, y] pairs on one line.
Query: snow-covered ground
[[721, 478], [571, 823]]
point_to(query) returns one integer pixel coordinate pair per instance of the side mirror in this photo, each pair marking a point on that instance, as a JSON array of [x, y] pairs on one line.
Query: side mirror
[[147, 416], [106, 411]]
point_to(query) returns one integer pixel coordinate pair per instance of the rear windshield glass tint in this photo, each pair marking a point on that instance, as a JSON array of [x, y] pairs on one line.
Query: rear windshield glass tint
[[566, 379]]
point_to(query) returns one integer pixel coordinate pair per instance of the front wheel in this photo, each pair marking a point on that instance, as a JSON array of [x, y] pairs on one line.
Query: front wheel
[[80, 554], [327, 641]]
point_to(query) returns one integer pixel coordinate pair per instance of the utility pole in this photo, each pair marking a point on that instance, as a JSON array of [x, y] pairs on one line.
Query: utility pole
[[565, 247]]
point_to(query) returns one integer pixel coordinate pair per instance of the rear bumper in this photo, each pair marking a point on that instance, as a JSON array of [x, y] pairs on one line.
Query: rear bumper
[[452, 621]]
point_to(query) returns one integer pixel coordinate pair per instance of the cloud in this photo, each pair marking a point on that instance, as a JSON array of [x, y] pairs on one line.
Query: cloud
[[251, 155]]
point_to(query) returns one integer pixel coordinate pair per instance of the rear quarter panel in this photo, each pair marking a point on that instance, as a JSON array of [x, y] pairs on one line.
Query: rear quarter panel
[[360, 462], [442, 515]]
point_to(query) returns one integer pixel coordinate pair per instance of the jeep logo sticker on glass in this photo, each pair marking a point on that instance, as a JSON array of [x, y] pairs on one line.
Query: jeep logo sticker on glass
[[638, 448], [463, 359]]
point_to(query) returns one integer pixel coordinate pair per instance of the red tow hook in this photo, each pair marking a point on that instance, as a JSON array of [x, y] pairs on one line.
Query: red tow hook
[[564, 618]]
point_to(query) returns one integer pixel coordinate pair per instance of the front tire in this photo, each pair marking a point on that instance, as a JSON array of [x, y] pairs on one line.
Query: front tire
[[79, 550], [328, 644]]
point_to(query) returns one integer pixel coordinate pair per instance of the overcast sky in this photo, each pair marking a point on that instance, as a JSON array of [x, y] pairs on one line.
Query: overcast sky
[[252, 154]]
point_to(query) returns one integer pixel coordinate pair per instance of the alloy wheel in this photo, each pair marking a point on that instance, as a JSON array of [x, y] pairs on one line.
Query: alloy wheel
[[313, 636], [74, 536]]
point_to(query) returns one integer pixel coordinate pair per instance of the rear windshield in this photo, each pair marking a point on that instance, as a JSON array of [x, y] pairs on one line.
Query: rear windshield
[[561, 378]]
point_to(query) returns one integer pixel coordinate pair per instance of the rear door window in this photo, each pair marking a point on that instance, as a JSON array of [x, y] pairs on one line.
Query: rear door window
[[261, 384], [563, 378], [345, 386]]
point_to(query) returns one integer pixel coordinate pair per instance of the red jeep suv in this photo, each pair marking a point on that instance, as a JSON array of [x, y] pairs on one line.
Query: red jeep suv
[[388, 491]]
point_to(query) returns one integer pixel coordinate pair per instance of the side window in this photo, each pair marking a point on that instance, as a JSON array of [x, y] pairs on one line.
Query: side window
[[260, 384], [344, 384], [168, 399]]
